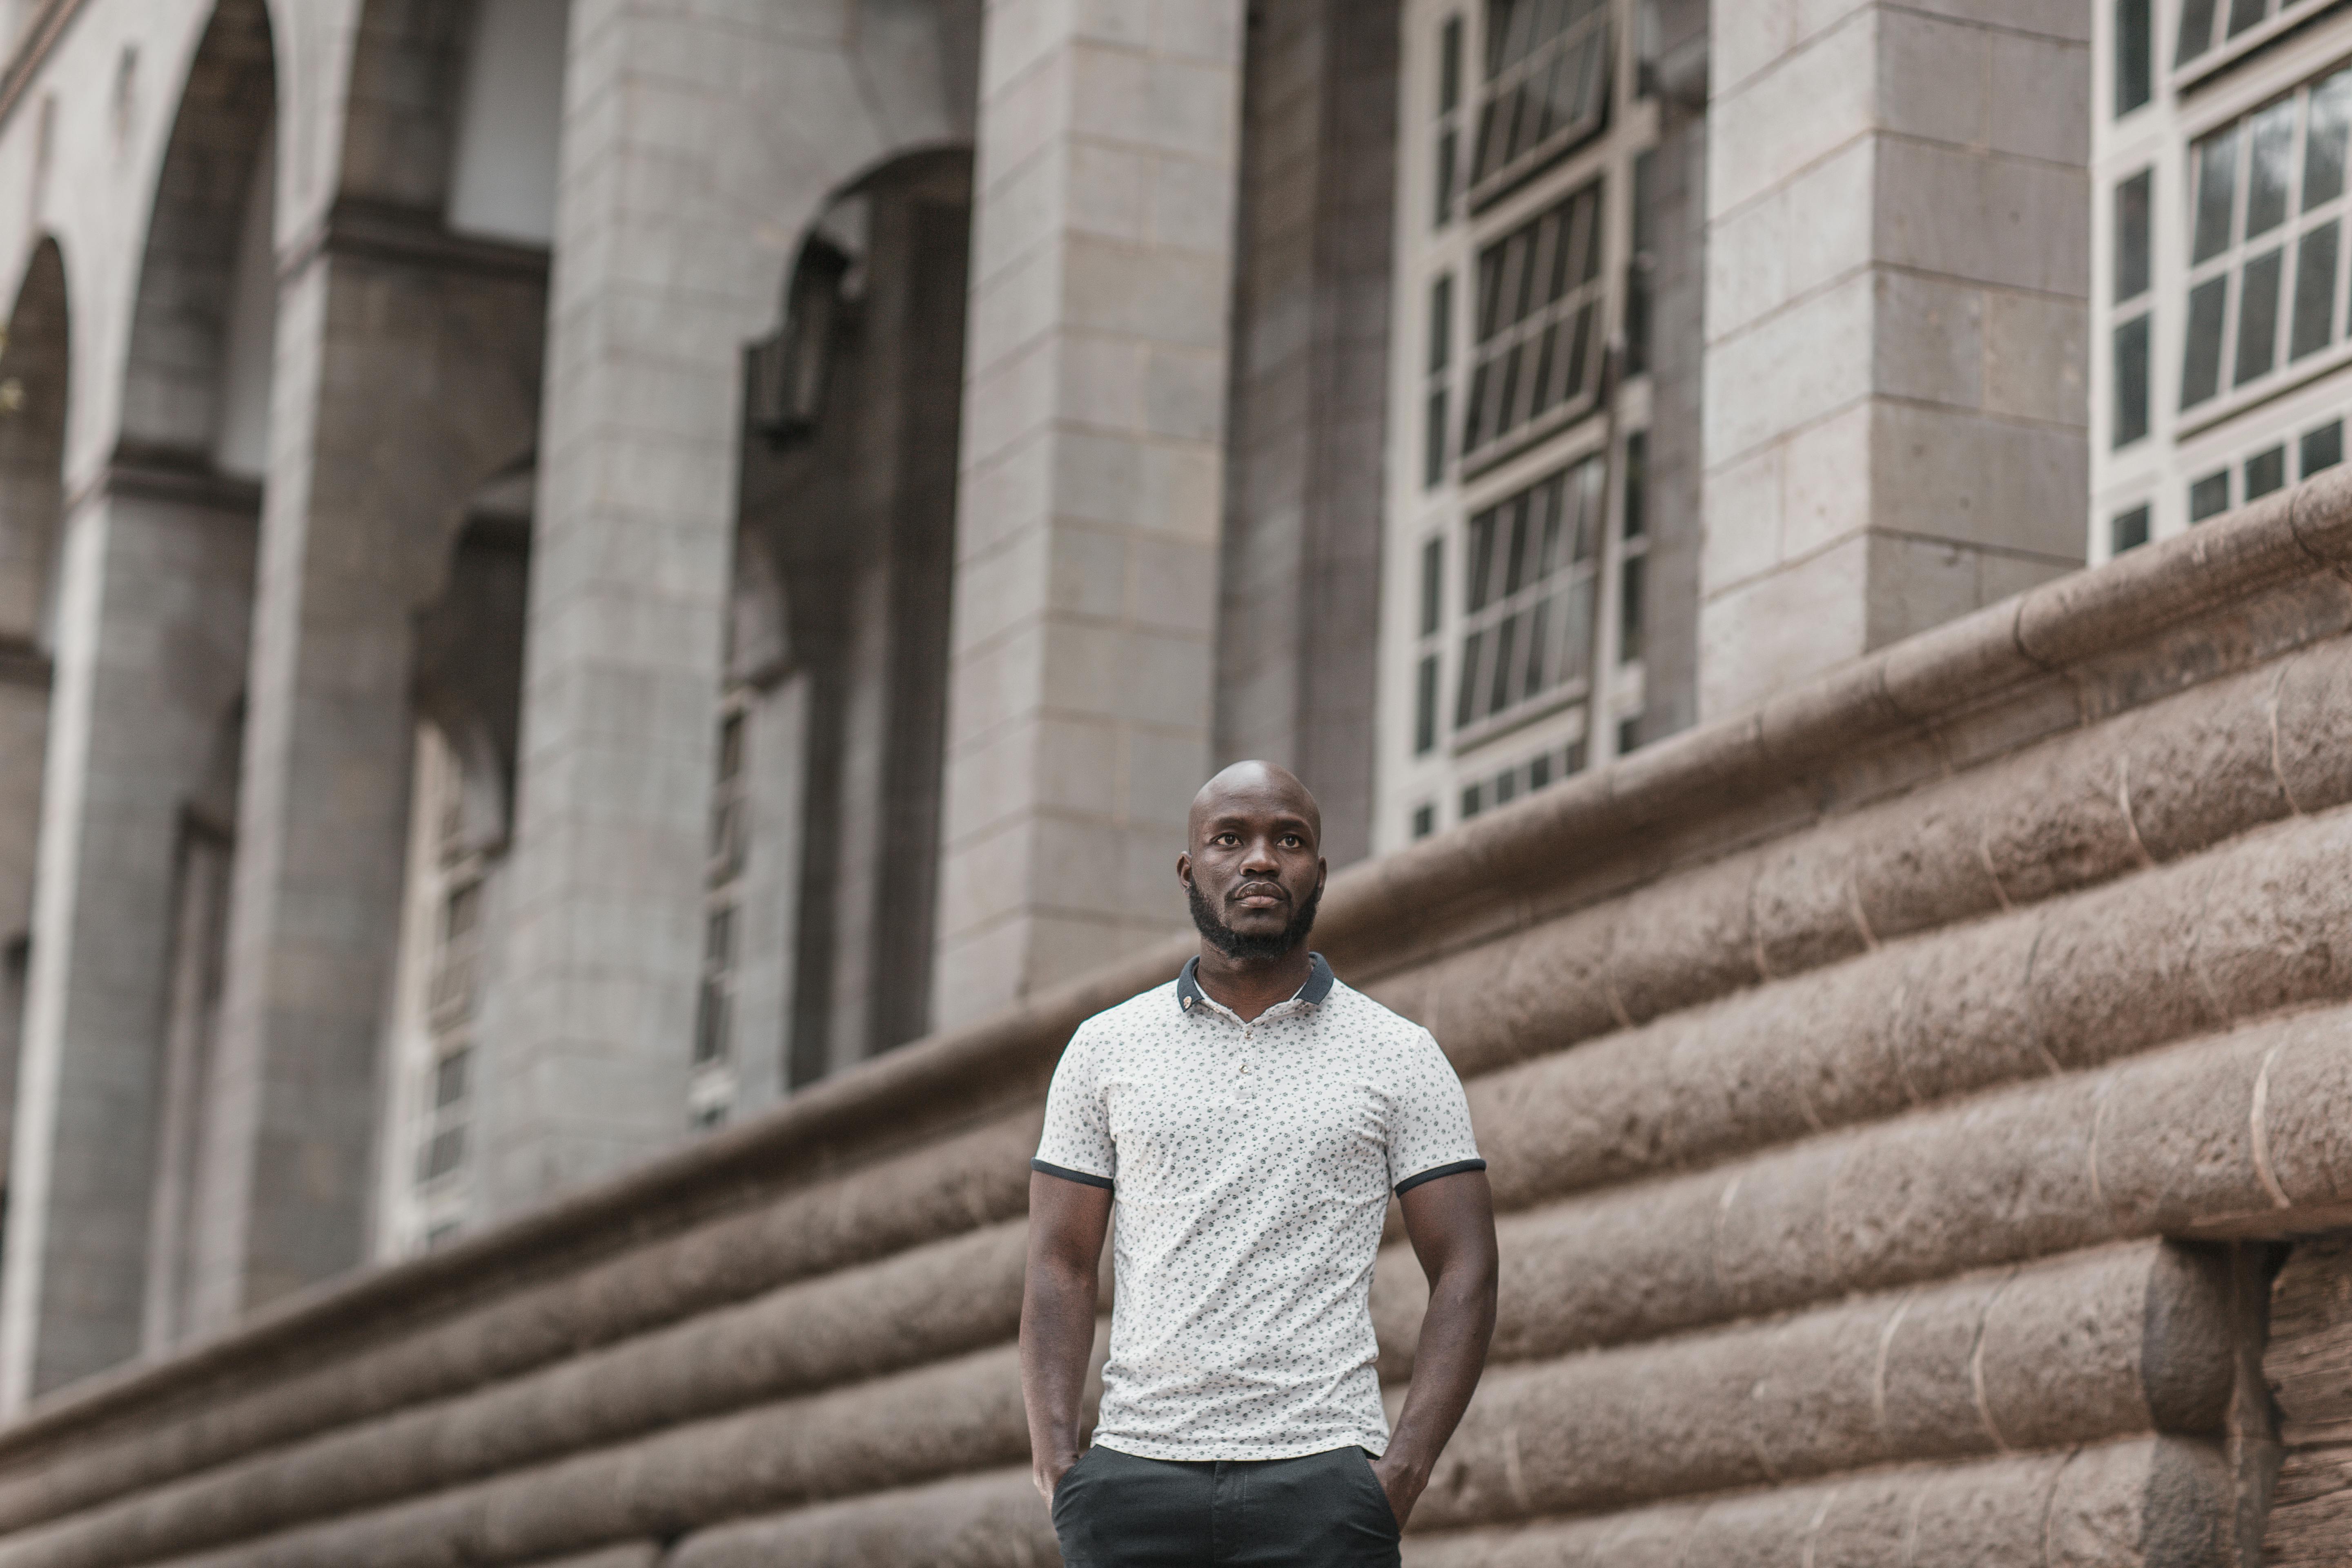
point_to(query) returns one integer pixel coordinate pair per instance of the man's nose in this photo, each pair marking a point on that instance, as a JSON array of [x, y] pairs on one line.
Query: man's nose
[[1260, 856]]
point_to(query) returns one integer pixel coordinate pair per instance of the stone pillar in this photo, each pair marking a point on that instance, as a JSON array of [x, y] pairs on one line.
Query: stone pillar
[[154, 600], [407, 371], [1298, 653], [1087, 521], [1899, 256]]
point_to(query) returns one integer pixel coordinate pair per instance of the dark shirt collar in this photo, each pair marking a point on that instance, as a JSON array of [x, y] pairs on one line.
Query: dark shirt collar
[[1318, 986]]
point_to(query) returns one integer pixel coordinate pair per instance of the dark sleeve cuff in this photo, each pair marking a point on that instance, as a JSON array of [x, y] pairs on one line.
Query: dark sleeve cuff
[[1090, 1179], [1410, 1183]]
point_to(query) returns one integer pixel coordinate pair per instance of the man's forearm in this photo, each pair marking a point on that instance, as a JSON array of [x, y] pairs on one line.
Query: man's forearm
[[1057, 1338], [1455, 1333]]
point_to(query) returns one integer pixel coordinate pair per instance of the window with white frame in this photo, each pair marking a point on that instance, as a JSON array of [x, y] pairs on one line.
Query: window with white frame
[[2266, 251], [711, 1084], [1539, 324], [1547, 87], [1529, 569], [442, 1132]]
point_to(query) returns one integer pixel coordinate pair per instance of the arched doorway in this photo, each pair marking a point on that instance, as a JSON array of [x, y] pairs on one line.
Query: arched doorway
[[849, 481]]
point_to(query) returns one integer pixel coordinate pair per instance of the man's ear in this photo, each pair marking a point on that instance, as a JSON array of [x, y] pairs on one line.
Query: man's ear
[[1185, 870]]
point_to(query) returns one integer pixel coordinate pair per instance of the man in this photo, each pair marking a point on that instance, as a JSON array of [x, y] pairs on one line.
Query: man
[[1249, 1121]]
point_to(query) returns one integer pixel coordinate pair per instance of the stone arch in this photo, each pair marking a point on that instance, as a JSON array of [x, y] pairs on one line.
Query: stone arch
[[198, 363]]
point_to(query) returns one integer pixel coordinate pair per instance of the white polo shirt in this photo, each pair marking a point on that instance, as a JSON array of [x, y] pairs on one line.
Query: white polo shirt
[[1251, 1164]]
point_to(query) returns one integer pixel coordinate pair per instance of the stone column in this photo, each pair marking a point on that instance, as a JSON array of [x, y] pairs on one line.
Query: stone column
[[1299, 654], [1898, 257], [1086, 597], [154, 607], [407, 371]]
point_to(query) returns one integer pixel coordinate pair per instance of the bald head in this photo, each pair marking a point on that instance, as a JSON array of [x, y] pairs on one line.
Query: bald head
[[1255, 789]]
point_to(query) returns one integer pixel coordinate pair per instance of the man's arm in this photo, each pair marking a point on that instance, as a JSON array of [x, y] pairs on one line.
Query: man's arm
[[1067, 1222], [1450, 1222]]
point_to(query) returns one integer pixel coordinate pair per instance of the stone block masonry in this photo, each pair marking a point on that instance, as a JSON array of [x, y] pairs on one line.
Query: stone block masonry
[[1087, 529], [1898, 273], [1897, 1095]]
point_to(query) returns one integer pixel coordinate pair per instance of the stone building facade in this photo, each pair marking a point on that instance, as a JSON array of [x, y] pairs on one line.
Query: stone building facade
[[608, 611]]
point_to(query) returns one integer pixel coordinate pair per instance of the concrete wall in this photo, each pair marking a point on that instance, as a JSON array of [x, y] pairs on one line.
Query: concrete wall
[[1890, 1092]]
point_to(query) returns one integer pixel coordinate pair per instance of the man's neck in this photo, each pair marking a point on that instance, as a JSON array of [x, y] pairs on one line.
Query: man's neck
[[1248, 986]]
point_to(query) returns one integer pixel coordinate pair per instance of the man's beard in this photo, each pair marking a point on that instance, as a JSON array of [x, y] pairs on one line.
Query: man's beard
[[1237, 945]]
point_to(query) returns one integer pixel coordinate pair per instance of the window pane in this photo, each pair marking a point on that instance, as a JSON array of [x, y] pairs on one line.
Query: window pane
[[1539, 645], [1516, 554], [2196, 29], [2244, 14], [2216, 188], [1540, 773], [2272, 137], [1576, 628], [1449, 67], [2131, 382], [2321, 449], [1440, 322], [1473, 801], [1433, 454], [449, 1079], [2314, 292], [1499, 695], [1629, 612], [2265, 472], [1637, 484], [2323, 154], [1424, 713], [2201, 371], [1424, 821], [1465, 688], [2133, 52], [2132, 218], [1433, 577], [2258, 304], [2129, 530], [1482, 560], [2209, 496], [1507, 786]]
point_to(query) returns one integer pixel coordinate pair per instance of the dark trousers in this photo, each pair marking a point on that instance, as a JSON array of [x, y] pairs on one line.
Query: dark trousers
[[1323, 1511]]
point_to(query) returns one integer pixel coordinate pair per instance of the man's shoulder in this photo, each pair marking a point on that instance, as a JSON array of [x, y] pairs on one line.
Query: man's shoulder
[[1348, 1004]]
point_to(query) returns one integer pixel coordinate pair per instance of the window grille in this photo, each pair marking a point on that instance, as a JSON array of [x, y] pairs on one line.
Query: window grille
[[1547, 87], [1540, 350], [1528, 601], [2266, 255]]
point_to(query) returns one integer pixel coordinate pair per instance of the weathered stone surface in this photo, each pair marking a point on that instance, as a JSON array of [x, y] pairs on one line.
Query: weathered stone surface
[[2147, 1503], [967, 1181], [2041, 1358], [923, 1305], [2237, 934], [993, 1520]]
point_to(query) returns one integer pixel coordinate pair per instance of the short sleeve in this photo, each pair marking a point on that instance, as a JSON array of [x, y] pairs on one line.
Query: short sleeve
[[1429, 1118], [1076, 1145]]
